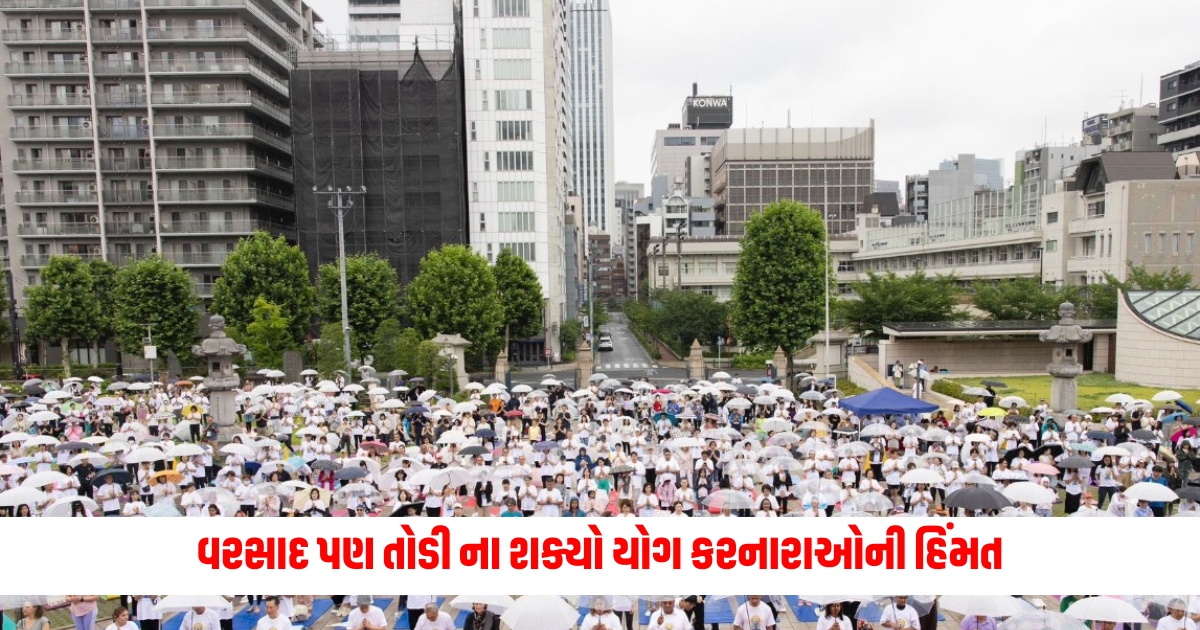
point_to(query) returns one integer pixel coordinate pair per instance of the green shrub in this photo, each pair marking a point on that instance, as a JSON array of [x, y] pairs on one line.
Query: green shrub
[[752, 360], [948, 388]]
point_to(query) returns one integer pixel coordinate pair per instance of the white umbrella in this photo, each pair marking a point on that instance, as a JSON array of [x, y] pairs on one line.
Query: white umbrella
[[922, 475], [739, 403], [1167, 396], [1043, 619], [48, 478], [172, 603], [40, 440], [22, 496], [878, 429], [474, 386], [145, 454], [354, 388], [1027, 492], [776, 425], [12, 438], [1147, 491], [239, 449], [16, 602], [540, 612], [453, 477], [426, 395], [1105, 609], [985, 605], [721, 376], [495, 603], [1114, 451], [1123, 399], [452, 437], [94, 459], [1009, 401], [378, 391], [522, 389], [62, 507], [185, 450]]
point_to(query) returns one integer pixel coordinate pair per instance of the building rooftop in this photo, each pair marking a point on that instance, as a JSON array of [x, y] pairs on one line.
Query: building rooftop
[[1174, 312], [988, 328], [1123, 167]]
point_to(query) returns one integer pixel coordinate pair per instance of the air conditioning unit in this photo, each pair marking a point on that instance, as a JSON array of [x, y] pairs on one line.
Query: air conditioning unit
[[93, 218], [86, 92], [137, 228], [87, 123], [143, 121]]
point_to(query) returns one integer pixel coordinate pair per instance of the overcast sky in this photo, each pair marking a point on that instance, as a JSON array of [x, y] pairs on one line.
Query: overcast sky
[[939, 77]]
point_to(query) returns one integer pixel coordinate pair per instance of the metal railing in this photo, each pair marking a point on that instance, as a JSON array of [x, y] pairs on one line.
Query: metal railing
[[50, 132], [72, 228], [244, 98], [223, 131], [223, 32], [46, 67], [237, 226], [12, 35], [121, 100], [48, 100], [125, 164], [55, 196], [237, 64], [53, 164], [215, 162], [234, 195], [128, 196], [41, 260]]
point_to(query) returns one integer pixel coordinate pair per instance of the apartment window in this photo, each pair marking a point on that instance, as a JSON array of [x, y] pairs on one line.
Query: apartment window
[[487, 160], [514, 130], [1001, 254], [482, 221], [527, 251], [678, 141], [846, 266], [1191, 243], [1051, 217], [1019, 253], [687, 268], [514, 191], [514, 160], [514, 100], [709, 268], [490, 257], [478, 69], [476, 8], [513, 69], [948, 259], [510, 8], [709, 141], [483, 39], [1110, 247], [472, 131], [517, 222], [1173, 84], [730, 267], [475, 191], [511, 38], [1095, 210], [1147, 243], [1162, 242], [1051, 247], [485, 100], [1175, 244], [974, 256]]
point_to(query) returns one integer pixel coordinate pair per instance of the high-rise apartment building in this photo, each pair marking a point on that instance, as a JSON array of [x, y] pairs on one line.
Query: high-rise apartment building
[[831, 170], [519, 156], [1133, 129], [402, 24], [592, 90], [141, 126], [1179, 109]]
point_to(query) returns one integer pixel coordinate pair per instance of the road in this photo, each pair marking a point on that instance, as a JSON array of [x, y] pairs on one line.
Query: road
[[628, 359]]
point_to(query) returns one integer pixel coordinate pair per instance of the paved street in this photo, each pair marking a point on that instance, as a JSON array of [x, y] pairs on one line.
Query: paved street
[[628, 359]]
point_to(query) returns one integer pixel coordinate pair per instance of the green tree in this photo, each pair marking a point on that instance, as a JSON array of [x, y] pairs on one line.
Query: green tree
[[407, 347], [1020, 299], [455, 292], [1101, 298], [267, 335], [520, 295], [891, 298], [104, 283], [386, 345], [683, 316], [779, 288], [268, 267], [570, 335], [154, 291], [64, 306], [372, 296], [328, 350]]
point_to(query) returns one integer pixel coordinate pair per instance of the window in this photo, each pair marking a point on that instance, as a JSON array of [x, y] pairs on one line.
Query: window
[[1051, 217], [1019, 253], [709, 141], [527, 251], [1191, 243], [709, 268], [510, 38], [846, 266], [1173, 84], [472, 131], [514, 160], [483, 39], [1095, 210], [490, 257], [510, 8], [974, 256], [1051, 247], [1001, 254], [517, 222], [1162, 242], [487, 160], [1147, 243], [513, 69], [476, 8], [482, 221], [730, 267], [514, 130], [514, 191], [677, 141], [478, 69], [485, 101], [475, 192], [514, 100], [1175, 244]]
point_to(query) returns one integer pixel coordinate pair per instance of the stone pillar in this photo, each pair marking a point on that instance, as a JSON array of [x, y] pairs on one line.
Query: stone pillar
[[695, 361], [585, 364], [501, 365], [293, 365], [218, 350], [782, 362], [1068, 338]]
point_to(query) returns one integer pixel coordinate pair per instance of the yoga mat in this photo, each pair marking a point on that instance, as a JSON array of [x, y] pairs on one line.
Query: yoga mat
[[379, 602], [806, 613]]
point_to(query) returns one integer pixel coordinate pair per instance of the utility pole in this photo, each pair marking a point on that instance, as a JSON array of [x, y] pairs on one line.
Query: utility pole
[[828, 264], [591, 297], [341, 201], [149, 351], [12, 320], [679, 234]]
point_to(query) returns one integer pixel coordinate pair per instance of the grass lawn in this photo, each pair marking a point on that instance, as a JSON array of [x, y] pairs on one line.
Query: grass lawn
[[1093, 389]]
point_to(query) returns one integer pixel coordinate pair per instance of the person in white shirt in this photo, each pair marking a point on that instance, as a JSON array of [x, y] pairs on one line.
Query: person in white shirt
[[833, 619], [600, 617], [120, 620], [134, 507], [148, 614], [274, 619], [1176, 618], [109, 496], [754, 615], [669, 617], [191, 502], [433, 619], [900, 616], [200, 618], [551, 500], [366, 616]]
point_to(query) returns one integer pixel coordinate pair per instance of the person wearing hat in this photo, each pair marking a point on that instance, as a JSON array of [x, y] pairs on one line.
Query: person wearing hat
[[366, 616], [1177, 618], [600, 616]]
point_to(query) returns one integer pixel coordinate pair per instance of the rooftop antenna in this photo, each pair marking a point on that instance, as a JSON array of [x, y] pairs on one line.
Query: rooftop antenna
[[1141, 89], [789, 118], [1122, 95]]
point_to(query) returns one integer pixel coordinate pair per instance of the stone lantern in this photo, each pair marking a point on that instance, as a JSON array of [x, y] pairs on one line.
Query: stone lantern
[[219, 351], [1068, 338]]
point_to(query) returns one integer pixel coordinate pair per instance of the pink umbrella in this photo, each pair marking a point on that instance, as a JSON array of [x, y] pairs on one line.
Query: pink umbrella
[[1038, 468]]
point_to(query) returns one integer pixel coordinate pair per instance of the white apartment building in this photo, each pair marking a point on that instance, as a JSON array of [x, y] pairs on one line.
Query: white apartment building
[[401, 24], [590, 33], [519, 156]]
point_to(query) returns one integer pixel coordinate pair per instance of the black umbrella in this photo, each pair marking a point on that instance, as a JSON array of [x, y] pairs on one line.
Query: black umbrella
[[1012, 454], [1101, 435], [1000, 384], [1053, 449], [977, 498], [1191, 493], [402, 509], [74, 446], [21, 405], [1075, 462], [325, 464], [34, 390], [1144, 435], [349, 474], [472, 451], [416, 379], [485, 434], [119, 475]]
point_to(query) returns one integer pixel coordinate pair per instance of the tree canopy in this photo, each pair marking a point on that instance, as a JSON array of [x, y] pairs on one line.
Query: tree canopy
[[267, 336], [372, 295], [679, 317], [64, 306], [520, 295], [892, 298], [1102, 297], [779, 288], [1021, 299], [154, 291], [269, 267], [455, 292]]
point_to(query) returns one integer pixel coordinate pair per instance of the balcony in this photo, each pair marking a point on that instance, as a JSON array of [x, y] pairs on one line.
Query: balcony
[[216, 35], [251, 8], [32, 197], [53, 230], [227, 195], [125, 132], [48, 68], [224, 163], [128, 228], [239, 227], [125, 165], [48, 100], [204, 289], [119, 68], [1085, 224], [51, 132], [52, 165], [1176, 136], [120, 100], [42, 36], [1182, 111], [206, 259], [41, 5], [233, 65], [243, 98], [41, 260], [128, 197], [226, 131], [117, 35]]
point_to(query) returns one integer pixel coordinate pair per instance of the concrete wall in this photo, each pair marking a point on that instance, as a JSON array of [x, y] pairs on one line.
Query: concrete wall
[[1149, 356], [982, 356]]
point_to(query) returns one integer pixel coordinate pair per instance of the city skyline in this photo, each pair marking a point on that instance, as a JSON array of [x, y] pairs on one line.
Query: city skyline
[[1041, 75]]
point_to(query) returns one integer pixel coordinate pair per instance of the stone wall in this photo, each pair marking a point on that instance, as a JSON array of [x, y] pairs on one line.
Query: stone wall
[[982, 356], [1148, 356]]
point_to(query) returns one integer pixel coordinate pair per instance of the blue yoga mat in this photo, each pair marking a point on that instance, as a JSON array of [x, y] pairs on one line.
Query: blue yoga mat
[[243, 620], [402, 616], [8, 624], [316, 611], [807, 614], [719, 610], [871, 612]]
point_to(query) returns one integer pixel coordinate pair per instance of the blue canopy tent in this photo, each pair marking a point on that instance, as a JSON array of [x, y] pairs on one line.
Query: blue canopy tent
[[886, 401]]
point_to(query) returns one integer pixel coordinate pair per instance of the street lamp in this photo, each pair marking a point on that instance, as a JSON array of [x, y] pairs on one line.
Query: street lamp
[[341, 200], [828, 263], [680, 234]]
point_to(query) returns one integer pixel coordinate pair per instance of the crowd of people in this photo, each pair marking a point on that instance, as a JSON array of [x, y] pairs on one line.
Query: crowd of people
[[718, 447]]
